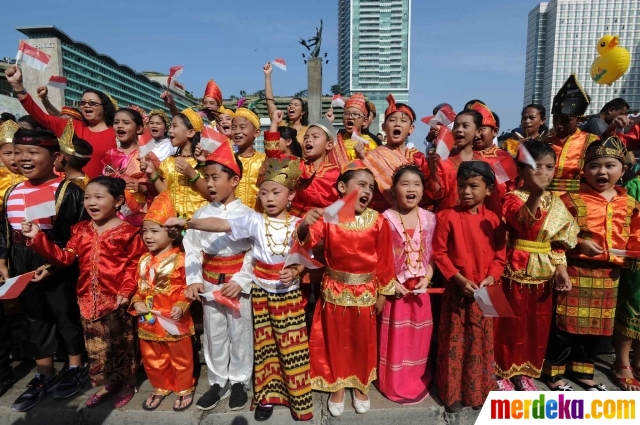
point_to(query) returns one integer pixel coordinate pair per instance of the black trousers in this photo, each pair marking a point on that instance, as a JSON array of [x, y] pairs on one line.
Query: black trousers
[[5, 346]]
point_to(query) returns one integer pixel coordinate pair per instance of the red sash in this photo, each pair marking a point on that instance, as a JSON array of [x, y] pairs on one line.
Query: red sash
[[268, 271], [217, 270]]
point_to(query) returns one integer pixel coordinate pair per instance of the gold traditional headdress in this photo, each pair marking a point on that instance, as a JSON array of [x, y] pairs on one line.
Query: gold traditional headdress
[[113, 101], [613, 147], [66, 141], [163, 116], [194, 118], [286, 171], [250, 115], [226, 111], [7, 130]]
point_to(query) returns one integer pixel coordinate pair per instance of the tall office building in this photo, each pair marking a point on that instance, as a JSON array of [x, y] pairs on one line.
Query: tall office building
[[561, 39], [85, 68], [374, 50]]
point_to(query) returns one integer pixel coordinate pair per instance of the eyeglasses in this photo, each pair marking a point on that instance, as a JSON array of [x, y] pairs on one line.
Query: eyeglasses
[[353, 115], [90, 103]]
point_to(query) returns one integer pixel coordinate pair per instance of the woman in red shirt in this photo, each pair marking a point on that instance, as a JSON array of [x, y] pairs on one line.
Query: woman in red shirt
[[96, 108]]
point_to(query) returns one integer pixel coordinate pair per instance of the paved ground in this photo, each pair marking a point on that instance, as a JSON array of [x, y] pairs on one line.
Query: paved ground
[[73, 412]]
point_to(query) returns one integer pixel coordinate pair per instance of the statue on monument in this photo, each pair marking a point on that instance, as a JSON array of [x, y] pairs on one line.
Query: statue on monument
[[314, 42]]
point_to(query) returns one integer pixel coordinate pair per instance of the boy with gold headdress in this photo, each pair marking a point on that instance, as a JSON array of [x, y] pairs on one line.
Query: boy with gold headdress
[[281, 365], [567, 140], [76, 153], [244, 131], [167, 357], [609, 219]]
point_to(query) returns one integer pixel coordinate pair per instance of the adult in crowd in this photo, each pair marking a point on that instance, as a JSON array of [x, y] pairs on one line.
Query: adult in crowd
[[602, 122], [97, 110]]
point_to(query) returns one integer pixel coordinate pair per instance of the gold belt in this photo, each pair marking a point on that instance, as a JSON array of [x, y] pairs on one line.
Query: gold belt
[[350, 278], [532, 246]]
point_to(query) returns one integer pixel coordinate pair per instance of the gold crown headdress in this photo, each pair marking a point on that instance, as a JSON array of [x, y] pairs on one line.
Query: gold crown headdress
[[66, 141], [163, 116], [249, 115], [613, 147], [114, 102], [286, 171], [7, 130], [194, 118]]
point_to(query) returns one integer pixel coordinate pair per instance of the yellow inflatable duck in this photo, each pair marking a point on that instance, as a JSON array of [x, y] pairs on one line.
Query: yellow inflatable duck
[[612, 62]]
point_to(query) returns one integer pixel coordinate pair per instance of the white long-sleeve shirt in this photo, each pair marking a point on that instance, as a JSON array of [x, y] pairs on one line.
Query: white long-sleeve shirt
[[197, 242]]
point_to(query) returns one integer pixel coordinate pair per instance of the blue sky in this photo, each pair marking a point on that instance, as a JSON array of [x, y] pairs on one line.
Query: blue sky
[[460, 50]]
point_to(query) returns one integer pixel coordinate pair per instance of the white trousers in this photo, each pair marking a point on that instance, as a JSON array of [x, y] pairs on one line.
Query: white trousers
[[228, 341]]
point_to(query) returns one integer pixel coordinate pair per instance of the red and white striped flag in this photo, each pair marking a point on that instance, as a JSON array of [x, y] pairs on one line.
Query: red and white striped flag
[[32, 57], [624, 253], [210, 139], [146, 143], [174, 72], [343, 210], [524, 156], [14, 286], [492, 302], [356, 137], [58, 82], [40, 203], [299, 255], [170, 325], [445, 116], [505, 170], [217, 296], [280, 63], [337, 101], [444, 142]]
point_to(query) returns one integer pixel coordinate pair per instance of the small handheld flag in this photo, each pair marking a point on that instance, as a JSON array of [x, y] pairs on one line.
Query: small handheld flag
[[343, 210], [210, 139], [337, 101], [525, 157], [444, 142], [39, 204], [299, 255], [170, 325], [146, 143], [13, 287], [280, 63], [445, 116], [32, 57], [217, 296], [492, 302], [58, 82], [174, 72]]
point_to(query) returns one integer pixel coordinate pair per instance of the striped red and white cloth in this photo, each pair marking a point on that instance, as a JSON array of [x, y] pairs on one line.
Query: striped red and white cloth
[[16, 202]]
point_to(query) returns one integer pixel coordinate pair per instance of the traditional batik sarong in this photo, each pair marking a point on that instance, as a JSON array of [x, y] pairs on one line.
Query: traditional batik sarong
[[627, 320], [281, 352]]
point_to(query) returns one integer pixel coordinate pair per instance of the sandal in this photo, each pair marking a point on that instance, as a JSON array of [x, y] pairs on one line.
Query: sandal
[[122, 400], [96, 399], [624, 383], [181, 399], [154, 396]]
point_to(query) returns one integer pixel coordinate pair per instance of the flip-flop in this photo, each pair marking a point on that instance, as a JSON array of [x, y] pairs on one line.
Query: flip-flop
[[154, 397], [624, 383], [181, 399]]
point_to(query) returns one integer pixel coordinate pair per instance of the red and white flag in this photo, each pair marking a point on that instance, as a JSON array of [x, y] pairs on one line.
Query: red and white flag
[[505, 170], [434, 291], [524, 156], [32, 57], [492, 302], [445, 116], [170, 325], [146, 143], [337, 101], [40, 203], [217, 296], [210, 139], [356, 137], [13, 287], [174, 72], [444, 142], [299, 255], [624, 253], [343, 210], [58, 82], [280, 63]]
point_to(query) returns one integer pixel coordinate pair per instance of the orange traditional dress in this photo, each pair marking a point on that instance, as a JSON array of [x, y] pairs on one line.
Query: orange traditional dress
[[587, 312], [343, 345], [537, 244], [167, 357], [569, 159], [108, 264]]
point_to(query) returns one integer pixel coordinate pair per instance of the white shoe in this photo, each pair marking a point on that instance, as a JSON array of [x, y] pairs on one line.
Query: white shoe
[[336, 409], [361, 406]]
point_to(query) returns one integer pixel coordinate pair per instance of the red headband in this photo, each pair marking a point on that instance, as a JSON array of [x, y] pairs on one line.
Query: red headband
[[394, 108]]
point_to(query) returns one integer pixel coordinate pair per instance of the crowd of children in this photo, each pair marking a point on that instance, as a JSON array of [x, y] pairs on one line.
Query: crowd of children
[[132, 246]]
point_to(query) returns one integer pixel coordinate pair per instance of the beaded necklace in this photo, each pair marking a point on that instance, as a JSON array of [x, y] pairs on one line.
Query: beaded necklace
[[413, 267], [271, 243]]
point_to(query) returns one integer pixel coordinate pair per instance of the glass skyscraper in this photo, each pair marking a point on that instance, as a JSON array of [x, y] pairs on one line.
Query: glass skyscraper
[[374, 49], [85, 68], [561, 40]]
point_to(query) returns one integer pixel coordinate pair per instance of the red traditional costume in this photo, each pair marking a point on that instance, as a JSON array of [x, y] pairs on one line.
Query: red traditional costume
[[108, 263], [536, 246], [343, 344], [167, 358], [344, 150], [474, 246]]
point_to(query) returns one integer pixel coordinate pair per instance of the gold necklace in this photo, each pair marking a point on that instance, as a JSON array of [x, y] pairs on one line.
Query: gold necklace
[[271, 243], [412, 267]]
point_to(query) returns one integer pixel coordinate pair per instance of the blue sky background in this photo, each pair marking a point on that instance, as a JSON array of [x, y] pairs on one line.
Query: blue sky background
[[460, 50]]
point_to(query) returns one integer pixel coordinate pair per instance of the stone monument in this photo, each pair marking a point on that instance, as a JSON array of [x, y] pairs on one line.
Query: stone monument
[[314, 68]]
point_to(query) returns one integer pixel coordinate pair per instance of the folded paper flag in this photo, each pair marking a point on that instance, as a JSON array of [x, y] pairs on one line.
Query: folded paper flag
[[58, 82], [13, 287], [217, 296], [280, 63], [343, 210], [170, 325], [492, 302]]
